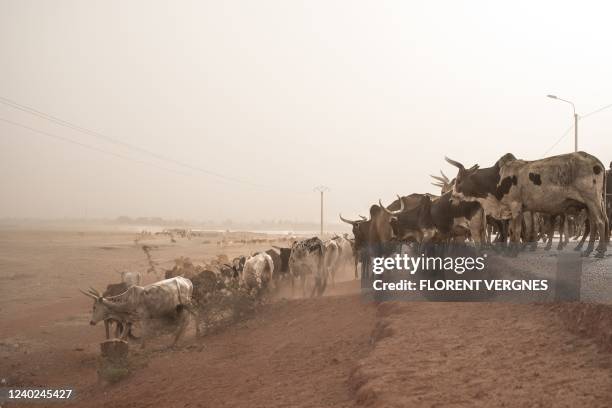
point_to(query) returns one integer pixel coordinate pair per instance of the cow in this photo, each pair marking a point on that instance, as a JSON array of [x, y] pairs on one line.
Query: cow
[[373, 236], [238, 264], [360, 230], [169, 298], [332, 259], [346, 255], [281, 263], [114, 289], [467, 217], [257, 273], [440, 219], [552, 185], [128, 279], [307, 259]]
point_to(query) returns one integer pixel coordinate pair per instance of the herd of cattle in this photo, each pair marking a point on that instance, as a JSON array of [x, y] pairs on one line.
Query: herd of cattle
[[519, 200], [186, 289], [516, 200]]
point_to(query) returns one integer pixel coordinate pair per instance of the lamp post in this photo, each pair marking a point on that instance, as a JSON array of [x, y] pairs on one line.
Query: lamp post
[[575, 119], [322, 190]]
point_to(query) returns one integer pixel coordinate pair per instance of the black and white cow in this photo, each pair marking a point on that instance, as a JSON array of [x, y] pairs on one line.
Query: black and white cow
[[308, 259], [553, 185]]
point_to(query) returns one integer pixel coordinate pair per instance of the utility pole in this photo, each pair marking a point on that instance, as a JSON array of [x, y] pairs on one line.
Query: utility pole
[[575, 118], [575, 132], [321, 189]]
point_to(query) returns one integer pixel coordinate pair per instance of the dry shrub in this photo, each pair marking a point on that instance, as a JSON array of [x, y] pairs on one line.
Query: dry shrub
[[220, 303], [219, 299]]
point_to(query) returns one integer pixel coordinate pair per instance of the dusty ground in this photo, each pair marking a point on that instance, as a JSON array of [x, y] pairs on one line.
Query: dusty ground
[[333, 351], [477, 355]]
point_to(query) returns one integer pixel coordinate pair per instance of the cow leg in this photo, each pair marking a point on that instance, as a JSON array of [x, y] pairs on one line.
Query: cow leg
[[478, 230], [566, 231], [125, 329], [530, 233], [549, 240], [182, 324], [601, 222], [587, 230], [292, 286], [515, 238], [107, 328], [193, 311], [562, 220], [592, 236], [118, 329]]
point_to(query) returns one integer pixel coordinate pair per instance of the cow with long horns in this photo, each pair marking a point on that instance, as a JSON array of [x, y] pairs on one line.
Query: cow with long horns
[[169, 298], [553, 185], [373, 235]]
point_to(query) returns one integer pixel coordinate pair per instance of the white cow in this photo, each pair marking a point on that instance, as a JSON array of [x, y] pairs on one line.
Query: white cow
[[166, 298], [332, 259], [257, 272]]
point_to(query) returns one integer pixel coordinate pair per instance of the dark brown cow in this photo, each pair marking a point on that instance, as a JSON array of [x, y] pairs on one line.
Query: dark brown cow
[[373, 236]]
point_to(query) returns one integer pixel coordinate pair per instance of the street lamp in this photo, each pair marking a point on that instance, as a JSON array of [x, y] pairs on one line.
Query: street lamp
[[322, 190], [575, 119]]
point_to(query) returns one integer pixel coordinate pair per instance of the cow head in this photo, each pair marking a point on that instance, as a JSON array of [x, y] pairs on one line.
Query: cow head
[[238, 265], [415, 223], [100, 310], [361, 229], [466, 187], [385, 217]]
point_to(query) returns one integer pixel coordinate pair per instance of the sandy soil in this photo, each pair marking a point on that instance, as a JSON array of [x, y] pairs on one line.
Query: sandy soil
[[332, 351], [480, 355]]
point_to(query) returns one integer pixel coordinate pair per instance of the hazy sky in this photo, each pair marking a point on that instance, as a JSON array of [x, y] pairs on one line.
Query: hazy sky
[[365, 97]]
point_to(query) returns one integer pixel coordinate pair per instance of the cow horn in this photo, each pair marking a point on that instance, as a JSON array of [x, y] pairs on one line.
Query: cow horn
[[348, 221], [437, 184], [454, 163], [396, 212], [446, 179], [363, 218], [91, 295], [95, 291], [474, 167], [440, 179]]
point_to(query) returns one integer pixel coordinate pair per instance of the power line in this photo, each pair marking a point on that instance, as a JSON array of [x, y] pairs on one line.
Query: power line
[[98, 135], [577, 117], [86, 146], [567, 131], [596, 111]]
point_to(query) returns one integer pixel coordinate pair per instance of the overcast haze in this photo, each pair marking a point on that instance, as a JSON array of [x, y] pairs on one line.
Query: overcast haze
[[365, 97]]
